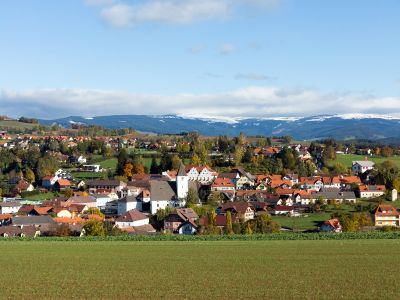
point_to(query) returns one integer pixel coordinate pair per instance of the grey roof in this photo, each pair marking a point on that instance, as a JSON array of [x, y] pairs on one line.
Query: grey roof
[[82, 199], [334, 193], [128, 199], [364, 163], [181, 171], [162, 190], [32, 220]]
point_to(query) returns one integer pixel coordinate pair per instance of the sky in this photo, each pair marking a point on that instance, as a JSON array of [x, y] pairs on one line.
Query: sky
[[206, 58]]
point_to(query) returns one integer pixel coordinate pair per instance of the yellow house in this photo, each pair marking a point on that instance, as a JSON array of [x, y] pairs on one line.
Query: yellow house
[[386, 215]]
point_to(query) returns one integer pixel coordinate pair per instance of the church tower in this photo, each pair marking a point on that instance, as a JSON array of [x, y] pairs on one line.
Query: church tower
[[182, 182]]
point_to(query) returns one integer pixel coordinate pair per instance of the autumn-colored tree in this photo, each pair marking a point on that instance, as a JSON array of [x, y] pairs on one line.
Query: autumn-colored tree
[[238, 156], [29, 175], [176, 162], [128, 170], [138, 169], [94, 228], [196, 160], [387, 151], [95, 211]]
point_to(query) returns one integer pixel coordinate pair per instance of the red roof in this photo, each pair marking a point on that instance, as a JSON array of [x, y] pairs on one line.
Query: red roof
[[68, 220], [386, 210], [5, 216], [64, 182], [223, 182], [374, 188]]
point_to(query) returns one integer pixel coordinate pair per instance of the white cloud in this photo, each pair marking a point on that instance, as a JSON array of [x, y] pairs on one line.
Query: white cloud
[[244, 102], [227, 49], [128, 14], [252, 76], [164, 11]]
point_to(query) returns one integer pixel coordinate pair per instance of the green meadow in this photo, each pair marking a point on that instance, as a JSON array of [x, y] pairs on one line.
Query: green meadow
[[347, 159], [327, 269]]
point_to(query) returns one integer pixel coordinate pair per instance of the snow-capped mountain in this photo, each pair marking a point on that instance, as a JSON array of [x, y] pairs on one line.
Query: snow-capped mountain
[[347, 126]]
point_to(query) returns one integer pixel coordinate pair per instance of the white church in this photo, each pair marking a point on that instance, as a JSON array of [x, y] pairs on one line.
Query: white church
[[165, 193]]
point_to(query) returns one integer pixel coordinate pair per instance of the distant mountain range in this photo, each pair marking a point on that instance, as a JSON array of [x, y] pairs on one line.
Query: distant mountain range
[[343, 127]]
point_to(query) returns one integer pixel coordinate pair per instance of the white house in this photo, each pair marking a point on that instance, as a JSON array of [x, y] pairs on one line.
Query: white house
[[128, 203], [132, 218], [101, 200], [371, 191], [362, 166], [163, 194], [9, 207]]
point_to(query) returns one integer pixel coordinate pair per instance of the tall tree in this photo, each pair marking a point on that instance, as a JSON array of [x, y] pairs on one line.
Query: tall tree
[[228, 227], [192, 197], [154, 168]]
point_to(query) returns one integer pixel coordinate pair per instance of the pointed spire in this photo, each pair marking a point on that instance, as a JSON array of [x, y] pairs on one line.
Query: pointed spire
[[182, 171]]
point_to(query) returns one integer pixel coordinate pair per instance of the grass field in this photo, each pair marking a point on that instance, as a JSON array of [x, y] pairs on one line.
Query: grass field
[[347, 159], [16, 125], [349, 269]]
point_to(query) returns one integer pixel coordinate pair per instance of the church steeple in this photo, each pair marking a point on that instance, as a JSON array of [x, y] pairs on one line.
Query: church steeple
[[182, 182]]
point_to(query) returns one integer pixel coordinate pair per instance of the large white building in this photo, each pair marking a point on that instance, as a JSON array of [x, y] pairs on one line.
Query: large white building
[[362, 166], [203, 174]]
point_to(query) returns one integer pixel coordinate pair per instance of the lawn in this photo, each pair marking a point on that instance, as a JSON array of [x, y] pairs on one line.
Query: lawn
[[41, 196], [110, 163], [346, 269], [347, 159], [310, 221]]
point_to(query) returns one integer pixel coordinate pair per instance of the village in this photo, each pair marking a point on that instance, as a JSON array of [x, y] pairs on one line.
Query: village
[[180, 193]]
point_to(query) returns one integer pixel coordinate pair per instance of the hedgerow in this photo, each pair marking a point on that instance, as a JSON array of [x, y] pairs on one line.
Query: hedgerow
[[194, 238]]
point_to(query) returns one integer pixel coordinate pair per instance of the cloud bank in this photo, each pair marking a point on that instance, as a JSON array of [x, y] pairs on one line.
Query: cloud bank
[[128, 14], [251, 101]]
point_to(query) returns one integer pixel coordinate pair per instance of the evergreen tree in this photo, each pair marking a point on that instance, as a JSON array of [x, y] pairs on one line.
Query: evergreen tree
[[154, 168]]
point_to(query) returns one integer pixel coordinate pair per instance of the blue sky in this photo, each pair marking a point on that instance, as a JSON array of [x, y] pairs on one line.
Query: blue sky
[[233, 58]]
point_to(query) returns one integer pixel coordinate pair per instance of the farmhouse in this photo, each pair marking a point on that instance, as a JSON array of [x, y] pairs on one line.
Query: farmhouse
[[179, 216], [362, 166], [112, 185], [132, 218], [371, 191], [334, 194], [386, 215]]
